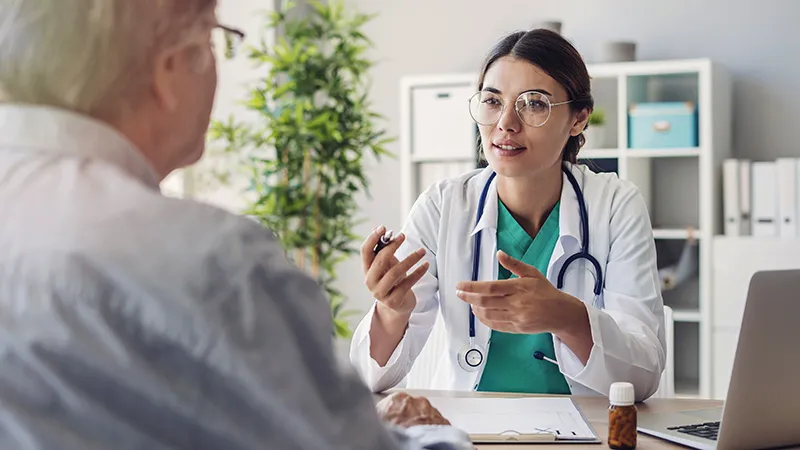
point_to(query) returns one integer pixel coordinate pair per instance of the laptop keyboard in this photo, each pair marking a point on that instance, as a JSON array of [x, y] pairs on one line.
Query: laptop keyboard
[[708, 430]]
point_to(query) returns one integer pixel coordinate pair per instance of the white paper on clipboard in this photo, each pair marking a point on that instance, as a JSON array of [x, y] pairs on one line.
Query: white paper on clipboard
[[483, 416]]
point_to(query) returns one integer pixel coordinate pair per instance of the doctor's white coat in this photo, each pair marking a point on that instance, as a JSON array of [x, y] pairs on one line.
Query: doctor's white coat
[[627, 321]]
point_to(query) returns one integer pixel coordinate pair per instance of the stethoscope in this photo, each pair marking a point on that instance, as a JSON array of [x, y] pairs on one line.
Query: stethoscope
[[471, 355]]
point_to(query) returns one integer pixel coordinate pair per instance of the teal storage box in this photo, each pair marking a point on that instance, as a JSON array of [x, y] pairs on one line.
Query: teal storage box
[[662, 125]]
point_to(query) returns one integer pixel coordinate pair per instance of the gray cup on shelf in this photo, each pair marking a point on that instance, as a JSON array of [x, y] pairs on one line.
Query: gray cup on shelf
[[616, 51], [552, 25]]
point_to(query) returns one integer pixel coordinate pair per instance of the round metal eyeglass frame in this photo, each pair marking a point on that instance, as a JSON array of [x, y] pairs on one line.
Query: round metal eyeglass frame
[[550, 106]]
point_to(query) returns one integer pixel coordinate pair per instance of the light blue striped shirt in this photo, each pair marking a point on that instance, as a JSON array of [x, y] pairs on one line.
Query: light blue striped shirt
[[130, 320]]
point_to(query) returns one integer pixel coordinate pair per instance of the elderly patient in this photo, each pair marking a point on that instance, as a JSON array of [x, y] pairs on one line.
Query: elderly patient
[[129, 320]]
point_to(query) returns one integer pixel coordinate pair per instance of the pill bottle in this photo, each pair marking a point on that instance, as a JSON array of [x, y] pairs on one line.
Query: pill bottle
[[621, 417]]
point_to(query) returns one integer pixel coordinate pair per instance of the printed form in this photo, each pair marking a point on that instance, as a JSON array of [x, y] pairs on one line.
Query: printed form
[[557, 418]]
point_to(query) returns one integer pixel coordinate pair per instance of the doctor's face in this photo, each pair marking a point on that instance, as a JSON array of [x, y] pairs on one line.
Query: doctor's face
[[531, 141]]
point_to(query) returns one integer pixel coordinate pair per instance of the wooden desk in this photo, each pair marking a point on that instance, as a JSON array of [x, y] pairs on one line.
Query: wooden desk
[[596, 411]]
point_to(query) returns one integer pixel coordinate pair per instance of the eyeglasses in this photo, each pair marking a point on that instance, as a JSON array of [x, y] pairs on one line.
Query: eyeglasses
[[231, 37], [533, 108]]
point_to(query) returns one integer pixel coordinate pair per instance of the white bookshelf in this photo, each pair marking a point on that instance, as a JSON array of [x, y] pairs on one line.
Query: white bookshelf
[[681, 185], [749, 255], [413, 91]]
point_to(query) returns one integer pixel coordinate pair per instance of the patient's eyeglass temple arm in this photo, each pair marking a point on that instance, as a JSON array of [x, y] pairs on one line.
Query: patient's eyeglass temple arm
[[233, 31]]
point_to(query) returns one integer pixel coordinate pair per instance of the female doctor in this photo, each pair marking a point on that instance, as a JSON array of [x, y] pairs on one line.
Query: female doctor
[[544, 272]]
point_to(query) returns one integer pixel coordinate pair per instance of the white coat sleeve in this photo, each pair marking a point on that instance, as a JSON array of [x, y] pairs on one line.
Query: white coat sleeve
[[421, 229], [628, 333]]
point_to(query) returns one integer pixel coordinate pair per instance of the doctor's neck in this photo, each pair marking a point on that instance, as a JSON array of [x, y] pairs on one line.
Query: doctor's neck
[[530, 199]]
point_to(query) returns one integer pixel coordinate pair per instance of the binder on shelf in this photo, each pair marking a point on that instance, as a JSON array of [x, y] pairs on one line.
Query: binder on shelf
[[745, 197], [765, 198], [787, 195], [731, 206], [797, 197]]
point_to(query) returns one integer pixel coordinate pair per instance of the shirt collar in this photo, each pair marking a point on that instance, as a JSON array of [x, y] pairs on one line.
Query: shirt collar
[[46, 129], [569, 217]]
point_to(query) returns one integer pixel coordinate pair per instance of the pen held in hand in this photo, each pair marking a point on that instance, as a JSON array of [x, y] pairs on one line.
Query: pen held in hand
[[385, 240]]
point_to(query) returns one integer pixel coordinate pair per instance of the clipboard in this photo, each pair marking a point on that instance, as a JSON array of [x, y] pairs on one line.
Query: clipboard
[[530, 420], [514, 437]]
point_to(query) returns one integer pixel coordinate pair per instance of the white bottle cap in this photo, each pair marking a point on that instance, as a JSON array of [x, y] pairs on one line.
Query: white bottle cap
[[621, 394]]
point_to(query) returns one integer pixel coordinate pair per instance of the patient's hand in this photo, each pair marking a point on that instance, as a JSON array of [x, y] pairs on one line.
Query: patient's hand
[[405, 411]]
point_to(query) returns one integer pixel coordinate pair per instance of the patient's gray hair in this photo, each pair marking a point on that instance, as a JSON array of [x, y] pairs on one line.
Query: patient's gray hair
[[91, 56]]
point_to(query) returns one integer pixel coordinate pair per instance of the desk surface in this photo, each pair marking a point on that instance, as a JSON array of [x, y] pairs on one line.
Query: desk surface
[[596, 411]]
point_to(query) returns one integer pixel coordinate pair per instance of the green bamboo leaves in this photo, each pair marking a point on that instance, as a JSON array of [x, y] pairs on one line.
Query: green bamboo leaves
[[305, 154]]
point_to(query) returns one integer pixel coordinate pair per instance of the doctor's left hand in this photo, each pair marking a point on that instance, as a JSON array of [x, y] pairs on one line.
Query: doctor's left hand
[[528, 304]]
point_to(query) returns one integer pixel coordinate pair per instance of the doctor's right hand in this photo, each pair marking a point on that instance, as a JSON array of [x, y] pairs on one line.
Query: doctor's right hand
[[387, 278]]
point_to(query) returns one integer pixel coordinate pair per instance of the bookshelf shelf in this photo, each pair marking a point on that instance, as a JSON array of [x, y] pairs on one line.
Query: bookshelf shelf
[[603, 153], [687, 315], [662, 152], [676, 233], [599, 153]]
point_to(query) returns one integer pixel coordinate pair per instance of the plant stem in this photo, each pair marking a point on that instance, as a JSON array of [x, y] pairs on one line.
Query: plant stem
[[315, 224]]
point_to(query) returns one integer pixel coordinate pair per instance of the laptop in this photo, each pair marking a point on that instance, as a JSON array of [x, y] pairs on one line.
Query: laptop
[[762, 408]]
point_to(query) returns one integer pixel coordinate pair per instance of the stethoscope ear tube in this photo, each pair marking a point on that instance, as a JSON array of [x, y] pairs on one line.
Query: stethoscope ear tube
[[584, 252]]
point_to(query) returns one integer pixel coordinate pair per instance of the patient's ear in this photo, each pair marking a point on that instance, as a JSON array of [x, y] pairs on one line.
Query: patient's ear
[[165, 80]]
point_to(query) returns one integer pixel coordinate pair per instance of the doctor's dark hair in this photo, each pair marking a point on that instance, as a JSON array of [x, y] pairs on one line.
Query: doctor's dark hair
[[553, 54]]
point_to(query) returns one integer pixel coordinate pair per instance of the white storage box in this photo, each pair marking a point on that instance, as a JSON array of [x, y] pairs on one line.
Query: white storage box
[[441, 126]]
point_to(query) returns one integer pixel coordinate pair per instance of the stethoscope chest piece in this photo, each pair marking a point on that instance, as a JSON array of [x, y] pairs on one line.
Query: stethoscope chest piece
[[470, 357]]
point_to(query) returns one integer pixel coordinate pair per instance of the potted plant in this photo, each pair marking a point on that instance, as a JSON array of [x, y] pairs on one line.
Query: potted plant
[[304, 156], [595, 131]]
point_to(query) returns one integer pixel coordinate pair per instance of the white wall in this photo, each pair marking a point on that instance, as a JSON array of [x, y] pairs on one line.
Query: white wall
[[759, 42]]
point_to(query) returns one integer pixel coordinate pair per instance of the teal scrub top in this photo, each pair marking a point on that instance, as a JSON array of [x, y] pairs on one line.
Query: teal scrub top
[[510, 365]]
